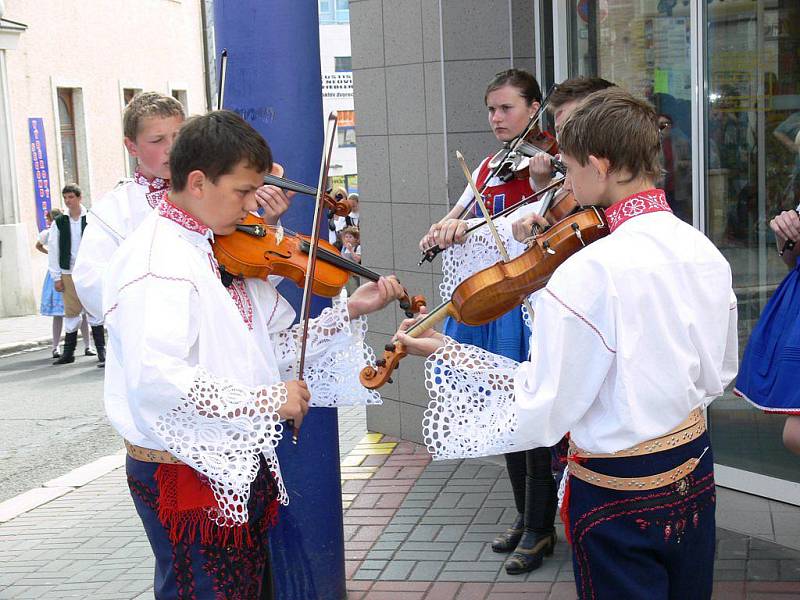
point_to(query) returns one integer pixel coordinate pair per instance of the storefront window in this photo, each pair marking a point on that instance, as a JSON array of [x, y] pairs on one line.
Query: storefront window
[[751, 145], [645, 48], [753, 120]]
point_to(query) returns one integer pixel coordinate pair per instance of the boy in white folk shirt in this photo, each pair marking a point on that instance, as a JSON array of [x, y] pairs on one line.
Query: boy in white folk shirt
[[635, 335], [200, 376]]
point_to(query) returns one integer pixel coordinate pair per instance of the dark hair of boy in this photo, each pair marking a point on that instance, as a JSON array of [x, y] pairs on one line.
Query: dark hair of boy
[[614, 125], [71, 188], [576, 88], [148, 104], [522, 80], [215, 143]]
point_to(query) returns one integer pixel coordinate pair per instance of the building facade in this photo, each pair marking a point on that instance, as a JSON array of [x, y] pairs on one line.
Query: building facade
[[73, 68], [723, 74]]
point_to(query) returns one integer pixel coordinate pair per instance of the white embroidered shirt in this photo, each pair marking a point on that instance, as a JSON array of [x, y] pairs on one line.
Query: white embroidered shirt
[[197, 370], [631, 334]]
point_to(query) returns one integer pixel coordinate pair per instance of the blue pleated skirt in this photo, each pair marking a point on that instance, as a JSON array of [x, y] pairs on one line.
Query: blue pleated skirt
[[507, 336], [769, 374], [52, 304]]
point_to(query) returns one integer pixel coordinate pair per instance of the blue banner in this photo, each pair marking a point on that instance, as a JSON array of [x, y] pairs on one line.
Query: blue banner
[[41, 173]]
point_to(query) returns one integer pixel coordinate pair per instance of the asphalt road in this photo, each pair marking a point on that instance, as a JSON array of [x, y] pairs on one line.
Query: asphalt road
[[51, 419]]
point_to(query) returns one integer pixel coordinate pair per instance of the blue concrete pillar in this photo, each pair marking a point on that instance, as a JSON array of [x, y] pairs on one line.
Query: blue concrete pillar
[[273, 81]]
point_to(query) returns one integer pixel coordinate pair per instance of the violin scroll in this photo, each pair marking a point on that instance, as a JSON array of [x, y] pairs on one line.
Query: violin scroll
[[374, 377], [411, 306]]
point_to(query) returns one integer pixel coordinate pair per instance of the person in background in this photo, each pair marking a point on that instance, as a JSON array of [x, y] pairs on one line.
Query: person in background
[[351, 250], [63, 241], [337, 223]]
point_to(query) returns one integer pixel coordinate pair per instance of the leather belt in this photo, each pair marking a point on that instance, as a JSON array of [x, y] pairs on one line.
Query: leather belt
[[692, 428], [150, 455]]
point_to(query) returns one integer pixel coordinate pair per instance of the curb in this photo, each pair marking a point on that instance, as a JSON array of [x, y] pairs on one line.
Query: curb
[[55, 488], [22, 346]]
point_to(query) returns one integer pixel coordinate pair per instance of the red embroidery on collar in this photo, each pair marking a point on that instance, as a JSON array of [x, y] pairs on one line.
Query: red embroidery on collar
[[639, 204], [157, 188], [238, 292], [169, 211]]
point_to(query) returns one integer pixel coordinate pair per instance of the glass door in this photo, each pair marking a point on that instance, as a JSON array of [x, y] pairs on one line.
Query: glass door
[[752, 115]]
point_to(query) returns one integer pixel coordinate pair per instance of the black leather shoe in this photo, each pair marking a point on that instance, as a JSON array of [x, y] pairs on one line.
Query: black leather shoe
[[508, 540], [530, 552], [89, 352], [68, 356], [56, 354]]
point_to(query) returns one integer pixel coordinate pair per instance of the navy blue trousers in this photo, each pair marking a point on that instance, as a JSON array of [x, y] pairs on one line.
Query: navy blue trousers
[[645, 545], [191, 570]]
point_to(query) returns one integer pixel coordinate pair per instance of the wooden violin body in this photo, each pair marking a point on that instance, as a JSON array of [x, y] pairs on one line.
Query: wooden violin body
[[255, 250], [492, 292]]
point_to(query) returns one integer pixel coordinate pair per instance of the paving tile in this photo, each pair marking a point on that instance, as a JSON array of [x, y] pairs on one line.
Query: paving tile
[[443, 590], [399, 570], [474, 591]]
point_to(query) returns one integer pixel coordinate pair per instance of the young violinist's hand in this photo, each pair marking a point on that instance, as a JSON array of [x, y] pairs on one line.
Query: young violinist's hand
[[274, 201], [523, 228], [541, 170], [449, 232], [374, 296], [429, 239], [424, 344], [296, 405]]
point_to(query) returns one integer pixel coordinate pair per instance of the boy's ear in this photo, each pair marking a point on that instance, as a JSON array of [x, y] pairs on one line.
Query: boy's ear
[[195, 183], [601, 165], [130, 146]]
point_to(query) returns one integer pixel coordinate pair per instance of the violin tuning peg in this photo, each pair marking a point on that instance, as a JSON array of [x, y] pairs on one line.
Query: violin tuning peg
[[409, 314], [389, 347], [390, 380], [380, 362]]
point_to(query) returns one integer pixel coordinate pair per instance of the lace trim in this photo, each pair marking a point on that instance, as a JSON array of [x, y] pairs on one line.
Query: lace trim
[[220, 429], [157, 188], [639, 204], [169, 211], [472, 410], [479, 251], [332, 373]]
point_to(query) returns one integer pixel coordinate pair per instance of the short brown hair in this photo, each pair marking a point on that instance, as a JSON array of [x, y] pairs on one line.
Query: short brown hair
[[215, 143], [352, 230], [71, 188], [576, 88], [614, 125], [148, 104], [522, 80]]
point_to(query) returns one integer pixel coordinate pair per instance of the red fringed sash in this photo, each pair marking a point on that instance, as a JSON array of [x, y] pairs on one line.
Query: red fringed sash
[[185, 500]]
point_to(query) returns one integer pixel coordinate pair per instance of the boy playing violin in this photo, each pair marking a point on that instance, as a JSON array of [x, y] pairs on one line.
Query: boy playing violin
[[626, 368], [200, 376], [150, 122]]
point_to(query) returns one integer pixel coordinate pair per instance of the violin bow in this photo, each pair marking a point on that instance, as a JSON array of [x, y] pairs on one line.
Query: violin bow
[[305, 310], [500, 245], [223, 73]]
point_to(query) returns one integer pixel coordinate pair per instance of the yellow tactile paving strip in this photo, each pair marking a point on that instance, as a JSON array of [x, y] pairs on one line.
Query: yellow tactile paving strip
[[370, 445]]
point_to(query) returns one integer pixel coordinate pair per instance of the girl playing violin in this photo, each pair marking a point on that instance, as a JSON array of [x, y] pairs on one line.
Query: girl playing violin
[[512, 98]]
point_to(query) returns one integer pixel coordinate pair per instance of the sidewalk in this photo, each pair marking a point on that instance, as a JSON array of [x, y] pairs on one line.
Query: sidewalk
[[413, 530], [21, 333]]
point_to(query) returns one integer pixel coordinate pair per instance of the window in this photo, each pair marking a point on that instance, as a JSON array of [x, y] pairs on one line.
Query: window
[[342, 11], [346, 130], [180, 96], [334, 11], [127, 96], [69, 144], [343, 63]]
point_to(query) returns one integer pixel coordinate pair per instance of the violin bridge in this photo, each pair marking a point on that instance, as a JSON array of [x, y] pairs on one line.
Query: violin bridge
[[279, 234]]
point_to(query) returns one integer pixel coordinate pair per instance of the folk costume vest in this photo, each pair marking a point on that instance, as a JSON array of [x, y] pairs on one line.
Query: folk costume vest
[[500, 197], [65, 239]]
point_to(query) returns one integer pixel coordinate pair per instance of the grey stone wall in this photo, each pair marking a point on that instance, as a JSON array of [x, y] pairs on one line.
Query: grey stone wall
[[420, 68]]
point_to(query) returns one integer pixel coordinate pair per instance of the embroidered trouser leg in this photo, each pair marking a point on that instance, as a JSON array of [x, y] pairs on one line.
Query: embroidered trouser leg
[[190, 569], [647, 545]]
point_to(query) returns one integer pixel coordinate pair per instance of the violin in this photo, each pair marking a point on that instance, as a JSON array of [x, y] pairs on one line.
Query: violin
[[256, 249], [492, 292], [337, 202], [512, 163]]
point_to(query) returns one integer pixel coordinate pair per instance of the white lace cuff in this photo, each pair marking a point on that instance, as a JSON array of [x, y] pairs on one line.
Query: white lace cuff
[[479, 251], [472, 410], [219, 430], [336, 352]]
